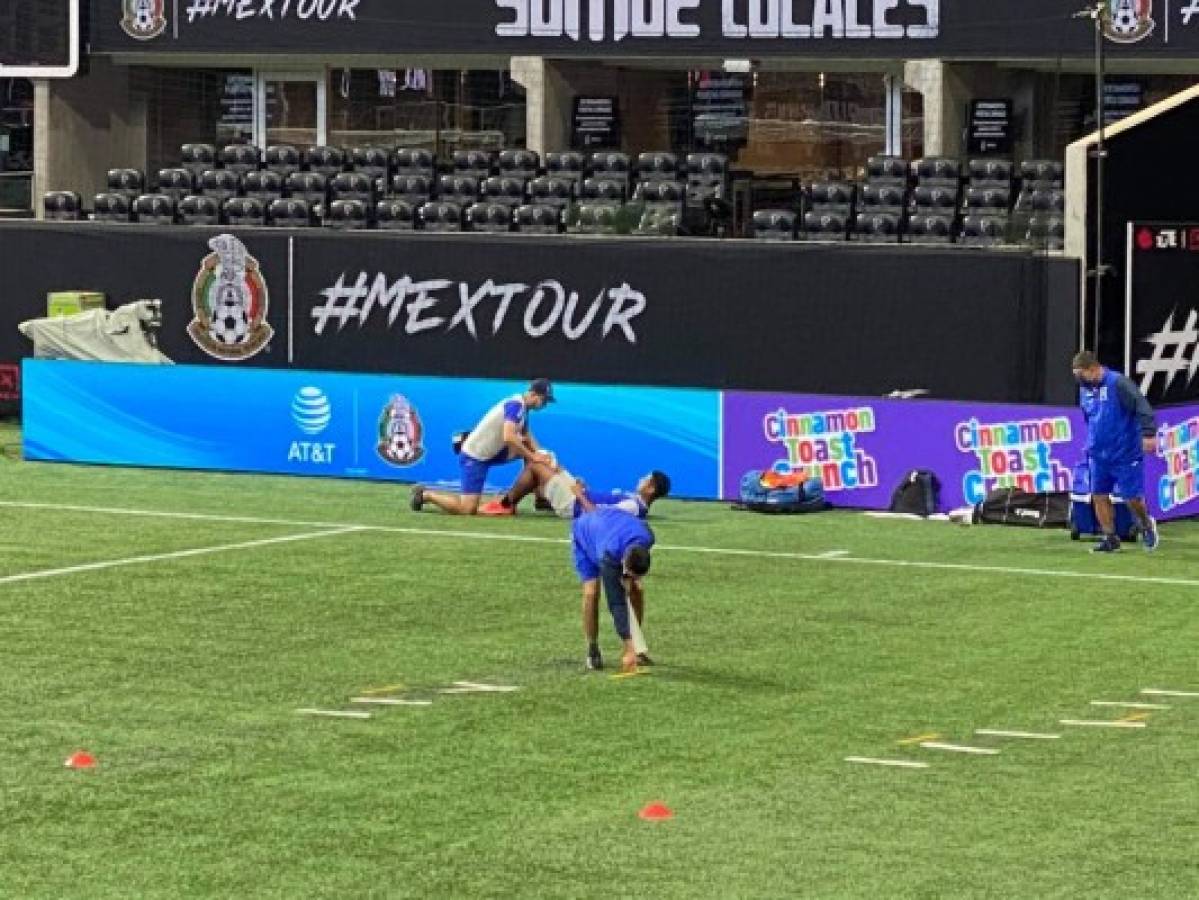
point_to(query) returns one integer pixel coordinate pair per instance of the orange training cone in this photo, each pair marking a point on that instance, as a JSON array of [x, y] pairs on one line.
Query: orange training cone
[[81, 760], [656, 812]]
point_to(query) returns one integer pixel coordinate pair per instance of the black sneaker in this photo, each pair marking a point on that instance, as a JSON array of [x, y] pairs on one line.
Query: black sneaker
[[644, 660], [542, 505], [1109, 544], [418, 497], [595, 662]]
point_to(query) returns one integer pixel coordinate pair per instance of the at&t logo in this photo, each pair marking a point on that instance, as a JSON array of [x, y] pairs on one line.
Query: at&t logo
[[312, 413]]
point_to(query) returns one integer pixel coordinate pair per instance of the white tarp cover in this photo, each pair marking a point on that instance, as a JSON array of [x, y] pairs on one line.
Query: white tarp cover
[[120, 335]]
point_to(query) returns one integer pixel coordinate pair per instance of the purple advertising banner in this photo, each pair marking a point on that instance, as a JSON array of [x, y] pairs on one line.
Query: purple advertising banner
[[860, 448]]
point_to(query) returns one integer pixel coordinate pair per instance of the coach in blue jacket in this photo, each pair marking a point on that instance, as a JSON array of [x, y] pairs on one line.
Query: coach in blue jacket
[[1120, 431]]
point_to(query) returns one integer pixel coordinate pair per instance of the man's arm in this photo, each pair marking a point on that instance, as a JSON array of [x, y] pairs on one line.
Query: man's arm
[[1134, 401]]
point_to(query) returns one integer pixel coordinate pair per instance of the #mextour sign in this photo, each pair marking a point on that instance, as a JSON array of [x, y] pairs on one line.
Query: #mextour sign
[[853, 28]]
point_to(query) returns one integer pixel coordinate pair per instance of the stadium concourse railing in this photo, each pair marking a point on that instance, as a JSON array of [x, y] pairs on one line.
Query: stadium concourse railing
[[747, 315]]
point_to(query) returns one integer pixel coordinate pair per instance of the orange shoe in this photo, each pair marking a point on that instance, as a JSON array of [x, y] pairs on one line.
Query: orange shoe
[[496, 508]]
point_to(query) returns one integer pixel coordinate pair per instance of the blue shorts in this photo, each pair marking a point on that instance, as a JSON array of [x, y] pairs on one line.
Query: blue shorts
[[474, 471], [585, 566], [1124, 478], [610, 572]]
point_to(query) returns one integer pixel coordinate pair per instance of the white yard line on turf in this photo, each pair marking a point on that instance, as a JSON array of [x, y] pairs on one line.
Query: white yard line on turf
[[897, 763], [968, 568], [174, 554]]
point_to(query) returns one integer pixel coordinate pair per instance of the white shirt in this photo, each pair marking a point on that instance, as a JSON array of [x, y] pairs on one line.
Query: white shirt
[[486, 441]]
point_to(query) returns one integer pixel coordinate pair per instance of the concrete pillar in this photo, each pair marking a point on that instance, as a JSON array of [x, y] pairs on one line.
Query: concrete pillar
[[946, 95], [548, 101], [82, 127]]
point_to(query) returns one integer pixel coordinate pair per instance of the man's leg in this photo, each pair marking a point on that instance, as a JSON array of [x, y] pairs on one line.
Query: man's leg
[[1105, 513], [591, 623], [454, 504], [611, 573], [1103, 481], [473, 475], [1132, 487]]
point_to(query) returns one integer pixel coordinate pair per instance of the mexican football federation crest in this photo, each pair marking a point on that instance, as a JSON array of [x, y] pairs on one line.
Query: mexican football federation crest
[[230, 301], [1128, 21], [143, 20], [400, 433]]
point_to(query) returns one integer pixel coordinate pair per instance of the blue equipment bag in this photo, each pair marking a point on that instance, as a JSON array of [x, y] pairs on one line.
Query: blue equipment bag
[[1083, 520], [770, 492]]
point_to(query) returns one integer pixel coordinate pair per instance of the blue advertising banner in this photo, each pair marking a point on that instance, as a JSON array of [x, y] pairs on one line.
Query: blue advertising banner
[[388, 427]]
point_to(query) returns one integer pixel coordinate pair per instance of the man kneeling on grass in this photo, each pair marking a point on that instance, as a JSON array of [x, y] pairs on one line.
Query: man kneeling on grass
[[612, 547]]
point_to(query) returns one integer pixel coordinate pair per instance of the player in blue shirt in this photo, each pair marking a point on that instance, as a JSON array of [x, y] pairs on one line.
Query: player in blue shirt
[[501, 436], [569, 497], [612, 547], [1120, 431]]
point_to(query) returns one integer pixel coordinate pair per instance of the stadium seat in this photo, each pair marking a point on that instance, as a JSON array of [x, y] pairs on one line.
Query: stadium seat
[[657, 166], [990, 173], [774, 225], [282, 158], [602, 191], [570, 165], [661, 195], [887, 170], [832, 196], [353, 186], [347, 215], [707, 176], [112, 207], [474, 164], [877, 227], [461, 190], [130, 182], [983, 231], [265, 185], [881, 198], [930, 229], [327, 161], [552, 190], [440, 216], [220, 184], [1035, 200], [155, 209], [520, 164], [289, 212], [415, 189], [594, 219], [415, 162], [240, 158], [989, 201], [244, 212], [504, 189], [490, 217], [826, 225], [936, 200], [374, 162], [311, 187], [660, 222], [199, 210], [937, 170], [611, 167], [177, 183], [62, 206], [1042, 172], [395, 215], [538, 219], [197, 158], [1048, 231]]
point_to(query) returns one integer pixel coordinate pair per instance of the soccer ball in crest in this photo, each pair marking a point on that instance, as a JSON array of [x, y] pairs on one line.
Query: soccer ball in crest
[[230, 301], [1128, 21]]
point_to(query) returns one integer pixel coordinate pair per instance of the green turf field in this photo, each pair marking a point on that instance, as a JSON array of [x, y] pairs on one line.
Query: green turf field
[[182, 674]]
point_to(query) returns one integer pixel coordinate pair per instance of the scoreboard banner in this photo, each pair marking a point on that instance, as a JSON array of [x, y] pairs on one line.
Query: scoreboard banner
[[1162, 311], [40, 40], [846, 29]]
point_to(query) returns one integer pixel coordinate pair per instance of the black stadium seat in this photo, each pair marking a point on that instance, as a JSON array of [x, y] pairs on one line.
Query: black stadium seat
[[328, 161], [155, 209], [887, 170], [538, 219], [130, 182], [660, 194], [62, 206], [311, 187], [930, 229], [415, 189], [826, 225], [504, 189], [983, 231], [881, 198], [877, 228], [707, 176], [347, 215], [474, 164], [178, 183], [282, 158], [353, 186], [937, 170], [1048, 231], [612, 167], [395, 215], [1042, 172], [240, 158], [490, 217], [112, 207], [441, 216], [937, 200], [374, 162], [265, 185], [774, 225], [199, 210], [832, 196], [1036, 200], [415, 162], [246, 212], [990, 173], [462, 190], [603, 190], [570, 165], [594, 219], [289, 212], [552, 190], [197, 158], [988, 201], [522, 164], [219, 184], [657, 166]]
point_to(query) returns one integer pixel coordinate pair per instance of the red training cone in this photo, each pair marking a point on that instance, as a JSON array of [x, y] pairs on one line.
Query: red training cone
[[655, 812], [80, 760]]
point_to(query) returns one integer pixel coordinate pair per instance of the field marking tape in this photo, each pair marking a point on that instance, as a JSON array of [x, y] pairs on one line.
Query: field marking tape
[[174, 554], [533, 539], [1086, 723], [897, 763], [1024, 735], [1158, 692], [334, 713], [920, 738], [1122, 705], [959, 748], [391, 701]]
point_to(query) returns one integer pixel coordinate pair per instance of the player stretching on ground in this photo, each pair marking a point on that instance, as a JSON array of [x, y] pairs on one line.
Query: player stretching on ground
[[569, 497], [612, 547], [1120, 430], [501, 436]]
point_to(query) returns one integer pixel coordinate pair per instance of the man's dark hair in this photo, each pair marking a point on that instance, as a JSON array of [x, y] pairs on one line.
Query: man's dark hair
[[1085, 359], [637, 560], [661, 483]]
